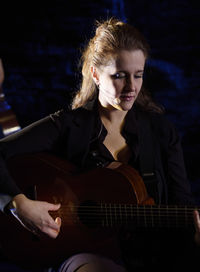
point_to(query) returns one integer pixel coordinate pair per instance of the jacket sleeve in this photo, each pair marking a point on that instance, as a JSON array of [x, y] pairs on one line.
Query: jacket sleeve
[[37, 137], [179, 190]]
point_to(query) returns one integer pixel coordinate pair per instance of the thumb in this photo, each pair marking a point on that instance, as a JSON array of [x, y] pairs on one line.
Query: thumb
[[53, 207]]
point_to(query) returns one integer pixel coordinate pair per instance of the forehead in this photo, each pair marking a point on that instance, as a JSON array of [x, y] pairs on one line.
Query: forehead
[[125, 60]]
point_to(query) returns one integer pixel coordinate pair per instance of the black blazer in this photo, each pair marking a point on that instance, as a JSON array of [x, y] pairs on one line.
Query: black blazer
[[68, 133]]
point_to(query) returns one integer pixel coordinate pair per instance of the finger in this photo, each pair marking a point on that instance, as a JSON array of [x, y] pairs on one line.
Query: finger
[[52, 233], [196, 220], [50, 228], [53, 224]]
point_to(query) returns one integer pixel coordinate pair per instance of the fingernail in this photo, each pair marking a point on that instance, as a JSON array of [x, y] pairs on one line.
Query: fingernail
[[58, 221]]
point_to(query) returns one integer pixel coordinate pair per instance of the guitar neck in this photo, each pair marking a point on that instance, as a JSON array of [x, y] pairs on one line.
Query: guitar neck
[[147, 216]]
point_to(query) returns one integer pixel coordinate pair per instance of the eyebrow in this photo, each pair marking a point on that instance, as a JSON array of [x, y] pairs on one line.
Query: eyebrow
[[139, 71], [123, 71]]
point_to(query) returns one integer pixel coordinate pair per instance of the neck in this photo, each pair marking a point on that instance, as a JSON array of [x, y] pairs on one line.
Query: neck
[[112, 116]]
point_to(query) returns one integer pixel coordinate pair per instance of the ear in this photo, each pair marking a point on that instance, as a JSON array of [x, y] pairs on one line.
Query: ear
[[94, 75]]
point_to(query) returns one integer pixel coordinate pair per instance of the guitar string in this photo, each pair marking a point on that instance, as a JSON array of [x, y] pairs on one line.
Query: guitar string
[[129, 215], [89, 215], [167, 218], [138, 206], [147, 222], [98, 219], [179, 215], [93, 216], [126, 208]]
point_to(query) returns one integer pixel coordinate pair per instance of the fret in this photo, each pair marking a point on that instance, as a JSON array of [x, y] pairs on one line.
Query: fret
[[186, 216], [126, 216], [145, 219], [111, 221], [137, 214], [131, 213], [103, 221], [106, 215], [176, 217], [120, 213], [167, 216], [152, 219], [143, 215], [159, 216], [115, 212]]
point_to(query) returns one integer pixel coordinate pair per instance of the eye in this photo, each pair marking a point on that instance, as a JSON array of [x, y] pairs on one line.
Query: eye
[[139, 76], [119, 75]]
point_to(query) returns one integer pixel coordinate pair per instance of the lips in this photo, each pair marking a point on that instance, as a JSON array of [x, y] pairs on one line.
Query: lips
[[126, 97]]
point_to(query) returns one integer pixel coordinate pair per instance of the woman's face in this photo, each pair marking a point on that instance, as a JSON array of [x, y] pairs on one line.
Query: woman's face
[[120, 81]]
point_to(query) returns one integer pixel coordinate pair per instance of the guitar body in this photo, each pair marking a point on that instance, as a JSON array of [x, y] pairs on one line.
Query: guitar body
[[54, 180]]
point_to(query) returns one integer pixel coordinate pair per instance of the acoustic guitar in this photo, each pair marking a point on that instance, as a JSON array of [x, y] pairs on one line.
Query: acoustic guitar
[[8, 120], [96, 204]]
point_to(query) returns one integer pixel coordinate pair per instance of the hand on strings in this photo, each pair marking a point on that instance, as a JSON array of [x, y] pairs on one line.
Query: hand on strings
[[197, 227], [34, 216]]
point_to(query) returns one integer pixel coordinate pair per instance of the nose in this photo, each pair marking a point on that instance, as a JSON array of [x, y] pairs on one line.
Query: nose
[[131, 84]]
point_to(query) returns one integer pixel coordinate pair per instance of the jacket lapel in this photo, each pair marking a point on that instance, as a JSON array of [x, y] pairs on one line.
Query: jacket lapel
[[79, 135]]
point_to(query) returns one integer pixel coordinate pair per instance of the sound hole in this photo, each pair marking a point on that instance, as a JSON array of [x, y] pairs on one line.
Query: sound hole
[[90, 214]]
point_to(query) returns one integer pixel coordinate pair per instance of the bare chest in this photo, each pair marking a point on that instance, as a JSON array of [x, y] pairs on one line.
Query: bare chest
[[117, 146]]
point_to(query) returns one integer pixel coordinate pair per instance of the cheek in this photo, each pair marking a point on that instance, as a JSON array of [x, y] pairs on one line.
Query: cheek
[[139, 86], [105, 82], [118, 85], [112, 86]]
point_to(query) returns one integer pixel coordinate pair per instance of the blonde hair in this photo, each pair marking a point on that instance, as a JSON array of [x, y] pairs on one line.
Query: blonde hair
[[111, 36]]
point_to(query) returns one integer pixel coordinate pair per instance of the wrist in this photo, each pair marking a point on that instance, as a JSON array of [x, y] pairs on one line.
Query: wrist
[[16, 202]]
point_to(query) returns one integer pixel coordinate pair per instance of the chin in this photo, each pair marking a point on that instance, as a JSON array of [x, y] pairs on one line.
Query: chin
[[126, 107]]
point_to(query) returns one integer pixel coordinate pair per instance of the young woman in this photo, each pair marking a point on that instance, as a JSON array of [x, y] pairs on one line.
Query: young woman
[[112, 118]]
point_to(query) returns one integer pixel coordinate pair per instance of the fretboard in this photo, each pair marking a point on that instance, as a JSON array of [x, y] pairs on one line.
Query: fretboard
[[147, 215], [115, 215]]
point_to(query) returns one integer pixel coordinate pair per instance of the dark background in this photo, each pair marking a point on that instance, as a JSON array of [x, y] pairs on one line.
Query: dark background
[[40, 47]]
